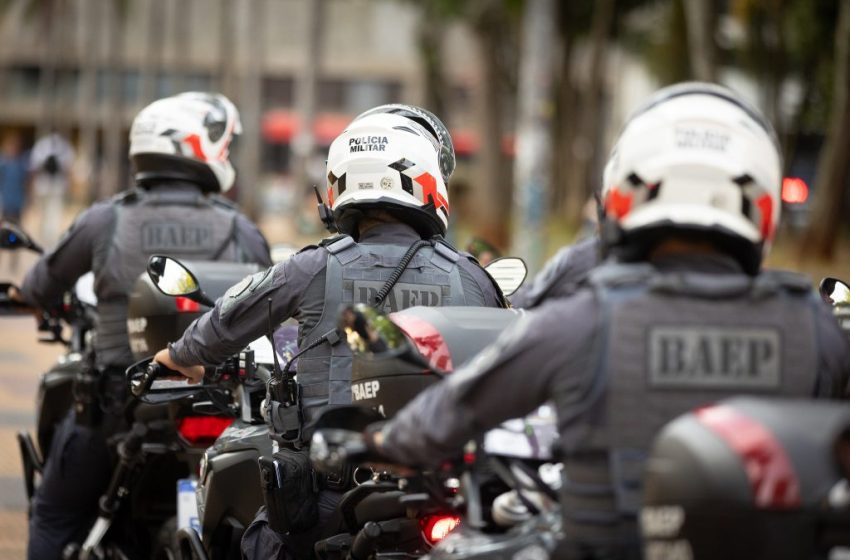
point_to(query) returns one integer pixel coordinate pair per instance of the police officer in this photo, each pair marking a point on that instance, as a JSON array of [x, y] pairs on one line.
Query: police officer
[[179, 147], [561, 275], [685, 317], [387, 177]]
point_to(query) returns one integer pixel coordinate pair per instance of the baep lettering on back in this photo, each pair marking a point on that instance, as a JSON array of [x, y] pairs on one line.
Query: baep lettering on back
[[714, 357], [368, 144], [402, 296], [171, 236]]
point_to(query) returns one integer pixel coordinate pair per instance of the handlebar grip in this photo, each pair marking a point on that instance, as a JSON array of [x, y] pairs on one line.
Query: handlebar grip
[[155, 370]]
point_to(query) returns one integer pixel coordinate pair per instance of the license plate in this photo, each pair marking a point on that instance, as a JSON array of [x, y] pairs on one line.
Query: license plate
[[187, 505]]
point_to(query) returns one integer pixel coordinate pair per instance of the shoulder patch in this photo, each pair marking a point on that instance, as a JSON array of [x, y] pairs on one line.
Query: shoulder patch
[[244, 288]]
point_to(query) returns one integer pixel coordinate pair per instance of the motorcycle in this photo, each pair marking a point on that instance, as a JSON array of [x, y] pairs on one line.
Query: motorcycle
[[750, 478], [170, 426], [504, 487], [227, 496], [55, 389]]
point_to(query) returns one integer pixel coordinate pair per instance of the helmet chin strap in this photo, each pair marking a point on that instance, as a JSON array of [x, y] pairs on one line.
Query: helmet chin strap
[[325, 213]]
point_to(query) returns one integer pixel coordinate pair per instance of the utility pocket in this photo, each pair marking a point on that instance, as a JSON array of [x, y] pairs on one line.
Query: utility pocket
[[290, 489]]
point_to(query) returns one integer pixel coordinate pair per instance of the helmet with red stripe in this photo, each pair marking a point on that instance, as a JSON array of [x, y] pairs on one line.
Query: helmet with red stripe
[[388, 161], [696, 158], [186, 137]]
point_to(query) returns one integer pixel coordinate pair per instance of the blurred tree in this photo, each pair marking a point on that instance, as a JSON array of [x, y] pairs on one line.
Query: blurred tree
[[304, 146], [587, 31], [533, 161], [495, 28], [435, 16], [585, 148], [250, 104], [833, 175], [495, 25], [699, 17]]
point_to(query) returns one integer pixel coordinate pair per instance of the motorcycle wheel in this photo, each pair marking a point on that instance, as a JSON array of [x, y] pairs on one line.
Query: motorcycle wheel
[[165, 545]]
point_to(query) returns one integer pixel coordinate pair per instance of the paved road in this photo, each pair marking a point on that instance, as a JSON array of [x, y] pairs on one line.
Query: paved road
[[21, 361]]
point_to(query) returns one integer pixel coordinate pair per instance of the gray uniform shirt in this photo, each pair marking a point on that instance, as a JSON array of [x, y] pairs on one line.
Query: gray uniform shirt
[[55, 273], [561, 275], [549, 353], [239, 318]]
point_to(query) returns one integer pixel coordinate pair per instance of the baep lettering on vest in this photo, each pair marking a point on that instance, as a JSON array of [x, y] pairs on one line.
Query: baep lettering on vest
[[368, 144], [714, 357], [171, 236], [365, 390], [401, 296]]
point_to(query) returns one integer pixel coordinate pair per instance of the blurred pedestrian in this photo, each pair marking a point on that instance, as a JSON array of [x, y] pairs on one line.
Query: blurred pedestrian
[[50, 162], [14, 171]]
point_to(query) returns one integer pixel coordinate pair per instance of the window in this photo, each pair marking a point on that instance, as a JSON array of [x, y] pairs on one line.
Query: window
[[278, 92]]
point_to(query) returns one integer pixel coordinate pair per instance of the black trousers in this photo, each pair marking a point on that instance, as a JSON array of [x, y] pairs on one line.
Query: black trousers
[[65, 503], [261, 543], [77, 472]]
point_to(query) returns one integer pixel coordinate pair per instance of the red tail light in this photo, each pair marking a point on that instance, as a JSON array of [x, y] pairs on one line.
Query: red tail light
[[794, 190], [437, 527], [186, 305], [202, 431]]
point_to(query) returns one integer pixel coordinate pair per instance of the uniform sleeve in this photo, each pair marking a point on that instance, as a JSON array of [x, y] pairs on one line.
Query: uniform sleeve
[[478, 286], [560, 275], [525, 367], [241, 315], [56, 272], [833, 379], [252, 242]]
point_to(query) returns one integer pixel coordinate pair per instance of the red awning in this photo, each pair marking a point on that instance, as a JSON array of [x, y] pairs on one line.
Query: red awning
[[281, 126]]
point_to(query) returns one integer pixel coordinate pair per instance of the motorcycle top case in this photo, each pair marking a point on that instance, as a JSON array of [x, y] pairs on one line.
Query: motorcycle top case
[[155, 319], [750, 478], [446, 337]]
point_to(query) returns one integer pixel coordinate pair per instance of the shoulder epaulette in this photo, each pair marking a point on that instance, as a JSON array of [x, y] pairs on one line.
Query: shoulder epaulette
[[307, 248], [331, 240], [128, 196], [219, 200]]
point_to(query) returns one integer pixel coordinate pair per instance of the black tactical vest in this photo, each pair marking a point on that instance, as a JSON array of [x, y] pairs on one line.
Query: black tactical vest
[[355, 273], [669, 343], [178, 223]]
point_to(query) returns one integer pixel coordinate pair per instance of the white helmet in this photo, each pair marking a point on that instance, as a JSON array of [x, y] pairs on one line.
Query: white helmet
[[186, 137], [695, 157], [387, 161]]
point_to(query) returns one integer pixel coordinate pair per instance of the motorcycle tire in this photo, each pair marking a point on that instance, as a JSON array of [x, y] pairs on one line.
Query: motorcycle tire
[[165, 544]]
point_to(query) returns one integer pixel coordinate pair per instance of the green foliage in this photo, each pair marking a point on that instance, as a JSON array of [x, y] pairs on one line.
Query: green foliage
[[659, 38]]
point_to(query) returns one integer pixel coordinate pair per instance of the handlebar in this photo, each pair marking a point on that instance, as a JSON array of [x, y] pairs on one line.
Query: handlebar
[[154, 371]]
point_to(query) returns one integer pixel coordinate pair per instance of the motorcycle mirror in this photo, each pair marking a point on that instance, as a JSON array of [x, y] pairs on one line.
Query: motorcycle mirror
[[508, 272], [13, 237], [835, 292], [368, 331], [158, 388], [172, 278]]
